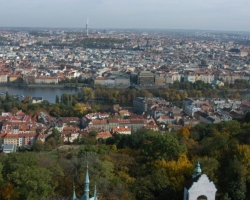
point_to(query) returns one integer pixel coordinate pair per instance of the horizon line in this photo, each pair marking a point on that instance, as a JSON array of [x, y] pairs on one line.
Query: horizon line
[[162, 29]]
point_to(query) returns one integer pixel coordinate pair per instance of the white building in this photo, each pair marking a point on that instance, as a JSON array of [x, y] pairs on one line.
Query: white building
[[3, 77], [199, 187], [121, 130], [207, 78], [190, 110], [46, 80]]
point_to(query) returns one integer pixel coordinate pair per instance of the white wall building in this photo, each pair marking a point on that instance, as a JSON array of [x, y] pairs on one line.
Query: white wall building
[[190, 110], [199, 187]]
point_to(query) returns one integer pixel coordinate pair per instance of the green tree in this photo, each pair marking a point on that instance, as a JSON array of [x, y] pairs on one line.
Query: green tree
[[50, 143], [65, 99], [30, 180], [7, 96], [157, 147], [93, 134], [55, 134], [235, 180], [57, 99], [38, 145], [56, 111]]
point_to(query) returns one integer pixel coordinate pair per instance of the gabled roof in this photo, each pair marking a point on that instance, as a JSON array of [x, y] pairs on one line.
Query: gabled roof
[[188, 184]]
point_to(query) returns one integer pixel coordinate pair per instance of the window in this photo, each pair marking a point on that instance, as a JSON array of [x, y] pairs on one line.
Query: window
[[202, 197]]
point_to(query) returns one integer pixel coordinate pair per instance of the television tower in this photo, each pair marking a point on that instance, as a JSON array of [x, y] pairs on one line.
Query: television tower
[[87, 28]]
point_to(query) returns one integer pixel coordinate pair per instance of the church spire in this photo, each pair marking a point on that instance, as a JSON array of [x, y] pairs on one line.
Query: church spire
[[197, 170], [87, 176], [95, 194], [74, 193], [86, 186]]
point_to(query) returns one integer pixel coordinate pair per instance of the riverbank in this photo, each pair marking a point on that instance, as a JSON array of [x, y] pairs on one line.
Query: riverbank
[[23, 85], [43, 86]]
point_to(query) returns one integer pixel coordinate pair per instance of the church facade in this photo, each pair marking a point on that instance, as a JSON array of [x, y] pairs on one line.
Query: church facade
[[199, 187]]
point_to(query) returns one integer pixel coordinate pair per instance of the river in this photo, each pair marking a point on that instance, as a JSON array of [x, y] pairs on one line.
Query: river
[[48, 94]]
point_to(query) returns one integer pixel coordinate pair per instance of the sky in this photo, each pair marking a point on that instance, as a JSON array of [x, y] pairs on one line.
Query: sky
[[229, 15]]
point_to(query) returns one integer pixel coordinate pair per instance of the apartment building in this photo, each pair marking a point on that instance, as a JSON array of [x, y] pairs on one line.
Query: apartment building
[[46, 80]]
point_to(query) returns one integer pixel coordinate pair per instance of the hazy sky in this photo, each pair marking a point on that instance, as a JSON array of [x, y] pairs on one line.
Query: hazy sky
[[164, 14]]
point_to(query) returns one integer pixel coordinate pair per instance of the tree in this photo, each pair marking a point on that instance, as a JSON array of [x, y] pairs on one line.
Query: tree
[[7, 106], [57, 99], [14, 110], [184, 132], [7, 96], [243, 155], [93, 134], [234, 180], [55, 134], [65, 99], [233, 127], [175, 172], [210, 167], [50, 143], [27, 99], [236, 95], [7, 192], [38, 146], [225, 197], [95, 108], [29, 179], [247, 117], [79, 109], [158, 147], [88, 94], [56, 111]]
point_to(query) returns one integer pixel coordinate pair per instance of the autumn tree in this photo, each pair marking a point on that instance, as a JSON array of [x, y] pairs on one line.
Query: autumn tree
[[79, 109], [88, 94], [175, 172], [184, 132], [7, 192]]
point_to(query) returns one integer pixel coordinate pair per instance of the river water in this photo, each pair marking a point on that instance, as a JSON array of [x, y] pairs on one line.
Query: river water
[[48, 94]]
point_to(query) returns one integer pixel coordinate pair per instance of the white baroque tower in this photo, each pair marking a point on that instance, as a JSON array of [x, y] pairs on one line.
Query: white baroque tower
[[199, 187]]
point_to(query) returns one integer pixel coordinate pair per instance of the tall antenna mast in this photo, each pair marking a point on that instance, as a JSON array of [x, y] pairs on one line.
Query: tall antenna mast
[[87, 27]]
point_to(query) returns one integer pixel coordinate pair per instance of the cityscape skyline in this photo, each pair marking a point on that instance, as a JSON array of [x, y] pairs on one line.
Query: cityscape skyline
[[224, 15]]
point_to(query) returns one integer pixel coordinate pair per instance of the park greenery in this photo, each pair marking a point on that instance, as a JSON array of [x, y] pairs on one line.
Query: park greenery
[[105, 43], [145, 165], [39, 34]]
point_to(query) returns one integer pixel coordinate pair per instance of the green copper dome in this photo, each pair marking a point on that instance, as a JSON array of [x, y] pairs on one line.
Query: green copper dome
[[197, 170]]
